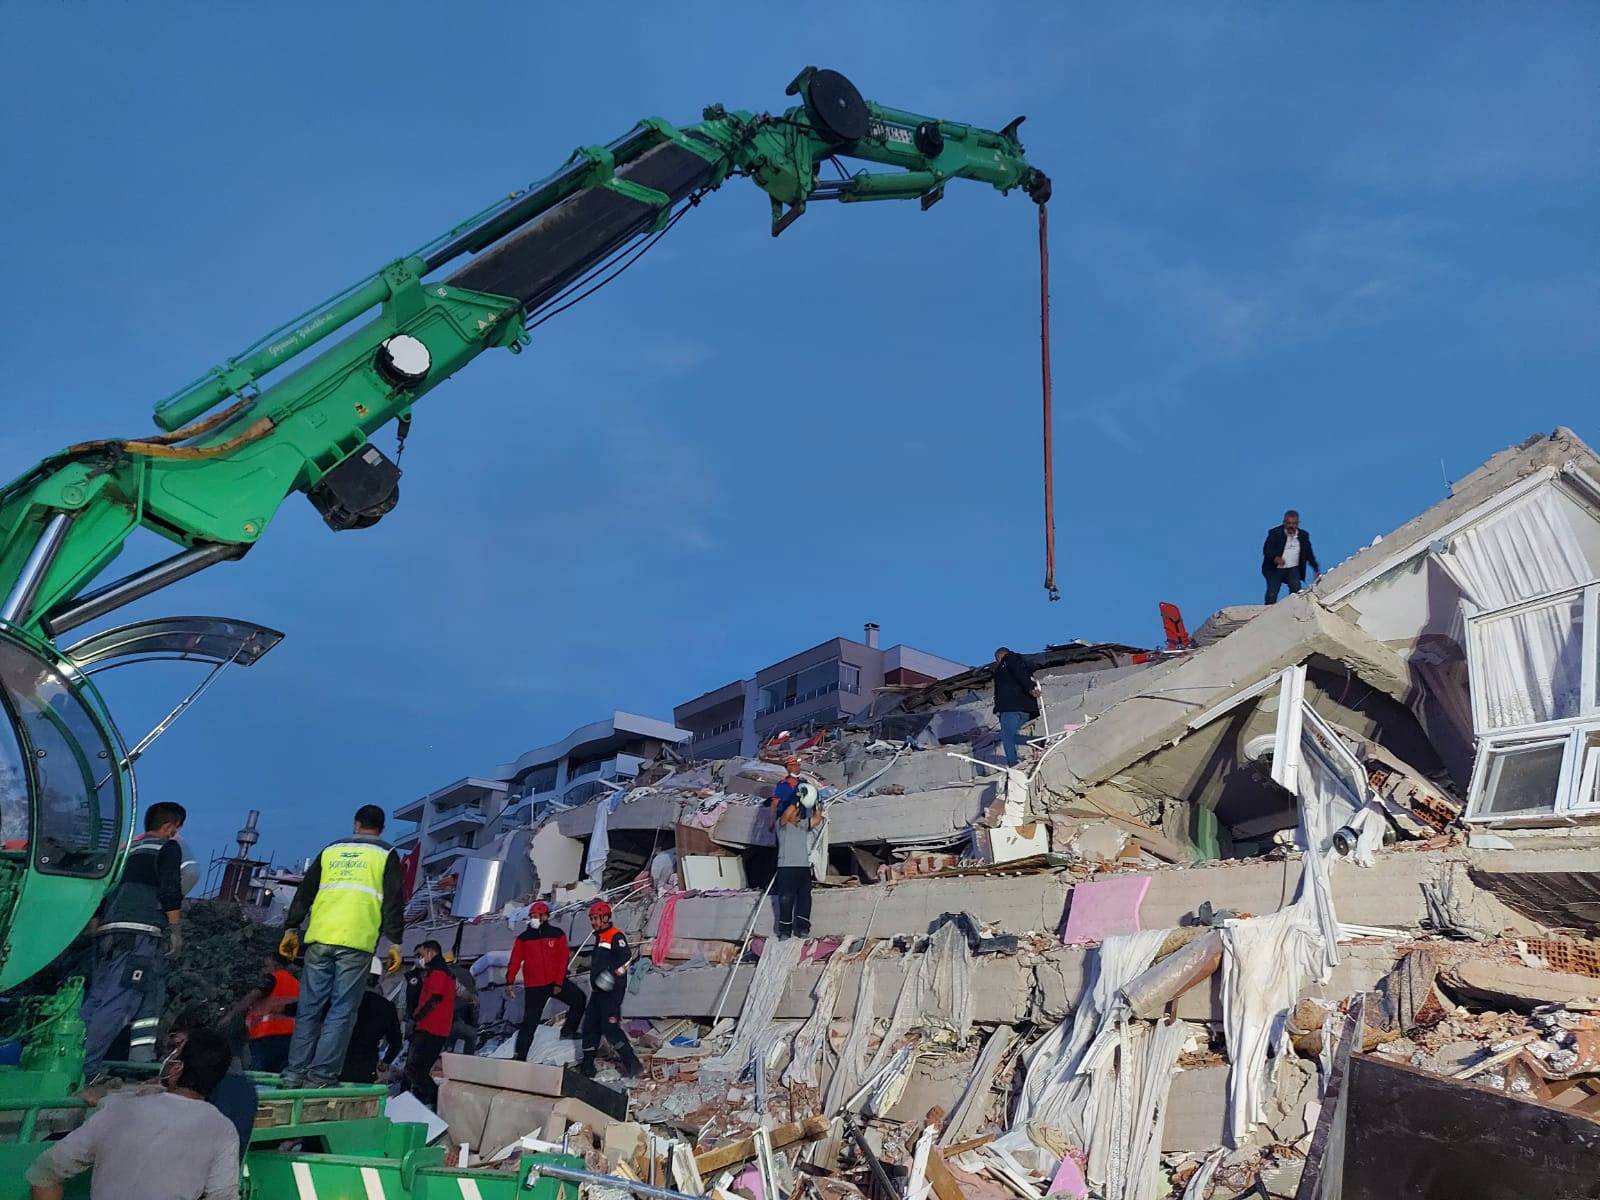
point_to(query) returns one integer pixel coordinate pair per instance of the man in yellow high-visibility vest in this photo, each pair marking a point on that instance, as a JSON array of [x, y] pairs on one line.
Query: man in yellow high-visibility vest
[[353, 893]]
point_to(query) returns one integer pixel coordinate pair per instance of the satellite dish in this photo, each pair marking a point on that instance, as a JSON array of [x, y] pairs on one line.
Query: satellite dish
[[189, 875]]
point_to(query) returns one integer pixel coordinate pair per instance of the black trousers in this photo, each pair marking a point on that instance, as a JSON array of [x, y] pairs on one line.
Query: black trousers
[[425, 1051], [1290, 577], [270, 1053], [793, 886], [603, 1019], [533, 1001]]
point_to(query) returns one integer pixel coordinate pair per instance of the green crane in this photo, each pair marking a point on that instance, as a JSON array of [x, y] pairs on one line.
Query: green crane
[[277, 419]]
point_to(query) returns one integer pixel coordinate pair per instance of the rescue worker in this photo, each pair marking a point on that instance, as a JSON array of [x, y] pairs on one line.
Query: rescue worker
[[268, 1011], [608, 984], [430, 1021], [794, 824], [376, 1022], [137, 930], [540, 952], [353, 891], [464, 1027]]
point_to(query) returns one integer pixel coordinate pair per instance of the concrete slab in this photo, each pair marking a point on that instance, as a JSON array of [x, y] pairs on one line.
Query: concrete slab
[[692, 991], [1197, 1108], [917, 818], [1015, 903], [1283, 635], [654, 810]]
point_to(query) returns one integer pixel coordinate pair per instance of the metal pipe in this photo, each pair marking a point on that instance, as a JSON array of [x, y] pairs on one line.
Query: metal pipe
[[26, 589], [1150, 992], [569, 1175], [180, 408], [85, 608]]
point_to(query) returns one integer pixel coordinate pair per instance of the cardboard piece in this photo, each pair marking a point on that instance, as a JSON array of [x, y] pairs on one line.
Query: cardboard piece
[[712, 872], [1101, 907], [406, 1107], [539, 1079], [1069, 1181]]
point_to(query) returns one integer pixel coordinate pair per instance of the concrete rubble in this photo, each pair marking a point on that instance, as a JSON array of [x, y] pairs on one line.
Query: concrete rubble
[[1295, 860]]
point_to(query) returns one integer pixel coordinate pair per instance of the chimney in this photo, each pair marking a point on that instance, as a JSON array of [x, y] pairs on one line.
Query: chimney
[[872, 634]]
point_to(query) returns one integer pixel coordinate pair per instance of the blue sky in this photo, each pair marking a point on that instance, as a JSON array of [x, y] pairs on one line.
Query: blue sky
[[1302, 254]]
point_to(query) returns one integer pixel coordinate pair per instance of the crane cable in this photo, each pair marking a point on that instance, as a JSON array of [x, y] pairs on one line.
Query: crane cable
[[1049, 424]]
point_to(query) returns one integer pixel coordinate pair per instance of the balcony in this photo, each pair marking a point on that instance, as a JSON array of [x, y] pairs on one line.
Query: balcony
[[407, 840], [410, 811], [448, 848], [465, 816]]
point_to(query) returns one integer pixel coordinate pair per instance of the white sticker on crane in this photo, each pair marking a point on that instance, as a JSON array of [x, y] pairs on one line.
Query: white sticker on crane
[[304, 1188], [372, 1182]]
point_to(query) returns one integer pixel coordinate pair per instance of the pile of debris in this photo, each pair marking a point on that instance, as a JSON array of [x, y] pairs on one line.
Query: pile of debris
[[1307, 903]]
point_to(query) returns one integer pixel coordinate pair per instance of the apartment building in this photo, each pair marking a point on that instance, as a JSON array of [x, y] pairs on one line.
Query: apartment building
[[834, 679], [474, 811]]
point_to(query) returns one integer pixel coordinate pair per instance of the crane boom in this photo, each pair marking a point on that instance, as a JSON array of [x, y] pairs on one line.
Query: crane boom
[[213, 478]]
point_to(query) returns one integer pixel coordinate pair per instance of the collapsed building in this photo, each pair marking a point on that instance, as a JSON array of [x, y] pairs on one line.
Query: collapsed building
[[1307, 903]]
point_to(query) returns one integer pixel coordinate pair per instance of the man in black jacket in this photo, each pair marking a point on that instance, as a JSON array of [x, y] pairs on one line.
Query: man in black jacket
[[1016, 699], [377, 1021], [137, 930], [1285, 555]]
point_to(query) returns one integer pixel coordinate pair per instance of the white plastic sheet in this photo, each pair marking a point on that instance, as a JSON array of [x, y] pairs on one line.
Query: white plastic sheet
[[808, 1043], [778, 961], [1051, 1091], [1266, 963], [945, 980]]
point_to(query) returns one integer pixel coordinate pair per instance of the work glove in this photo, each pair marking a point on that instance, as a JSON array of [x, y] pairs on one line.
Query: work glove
[[289, 943], [391, 960], [174, 940]]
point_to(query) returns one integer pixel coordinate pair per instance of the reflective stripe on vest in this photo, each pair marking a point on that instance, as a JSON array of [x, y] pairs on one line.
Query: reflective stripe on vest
[[272, 1022], [348, 909]]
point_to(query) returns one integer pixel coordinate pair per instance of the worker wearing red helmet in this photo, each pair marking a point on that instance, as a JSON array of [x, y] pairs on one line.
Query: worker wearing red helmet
[[540, 954], [608, 984]]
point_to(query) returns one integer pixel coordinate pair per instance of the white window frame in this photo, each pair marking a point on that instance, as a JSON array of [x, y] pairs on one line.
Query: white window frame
[[1589, 699], [1567, 803]]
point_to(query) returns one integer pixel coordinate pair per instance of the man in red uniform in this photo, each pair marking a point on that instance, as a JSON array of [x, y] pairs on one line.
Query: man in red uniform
[[540, 952], [268, 1011], [608, 985], [430, 1023]]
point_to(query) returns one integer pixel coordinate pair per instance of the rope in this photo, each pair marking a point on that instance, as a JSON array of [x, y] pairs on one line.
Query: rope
[[1049, 424]]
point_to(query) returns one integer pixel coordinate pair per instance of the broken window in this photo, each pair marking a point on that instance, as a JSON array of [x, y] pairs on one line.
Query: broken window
[[1542, 775]]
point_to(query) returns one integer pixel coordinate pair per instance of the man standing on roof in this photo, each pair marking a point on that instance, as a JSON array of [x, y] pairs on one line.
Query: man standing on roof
[[608, 985], [540, 953], [793, 821], [1285, 555], [353, 892], [138, 928], [1016, 699], [268, 1010]]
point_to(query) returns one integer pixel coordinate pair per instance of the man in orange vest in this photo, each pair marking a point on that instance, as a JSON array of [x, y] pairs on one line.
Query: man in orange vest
[[268, 1011]]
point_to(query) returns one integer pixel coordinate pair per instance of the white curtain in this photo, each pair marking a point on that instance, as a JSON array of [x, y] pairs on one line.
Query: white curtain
[[1526, 549], [1527, 666]]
